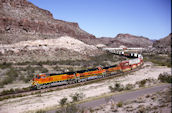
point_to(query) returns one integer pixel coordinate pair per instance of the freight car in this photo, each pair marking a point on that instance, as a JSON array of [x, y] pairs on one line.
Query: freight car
[[46, 80]]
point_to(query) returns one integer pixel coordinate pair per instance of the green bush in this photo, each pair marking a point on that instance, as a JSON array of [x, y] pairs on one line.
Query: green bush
[[165, 77]]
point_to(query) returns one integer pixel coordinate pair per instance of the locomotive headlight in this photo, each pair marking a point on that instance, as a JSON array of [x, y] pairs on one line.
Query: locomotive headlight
[[34, 82]]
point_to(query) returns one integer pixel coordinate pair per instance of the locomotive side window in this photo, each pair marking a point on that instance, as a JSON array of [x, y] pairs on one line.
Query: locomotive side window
[[38, 77], [42, 76]]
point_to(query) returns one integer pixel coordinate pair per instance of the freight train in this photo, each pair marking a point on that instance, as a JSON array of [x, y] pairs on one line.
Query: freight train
[[45, 80]]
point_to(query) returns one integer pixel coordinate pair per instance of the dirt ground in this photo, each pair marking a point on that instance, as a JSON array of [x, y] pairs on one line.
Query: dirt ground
[[50, 99]]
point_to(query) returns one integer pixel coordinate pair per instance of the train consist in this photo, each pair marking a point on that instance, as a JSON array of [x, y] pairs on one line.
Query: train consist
[[47, 80]]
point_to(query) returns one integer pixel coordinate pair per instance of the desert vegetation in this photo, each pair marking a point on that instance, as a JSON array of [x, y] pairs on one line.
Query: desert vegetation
[[24, 71], [162, 60], [165, 77], [117, 87], [71, 107], [150, 103]]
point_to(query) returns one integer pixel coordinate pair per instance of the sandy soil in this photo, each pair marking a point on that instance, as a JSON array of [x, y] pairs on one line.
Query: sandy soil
[[46, 100]]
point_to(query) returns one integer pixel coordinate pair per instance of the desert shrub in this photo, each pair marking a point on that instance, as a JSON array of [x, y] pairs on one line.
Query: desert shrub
[[30, 70], [77, 96], [28, 78], [116, 87], [57, 68], [129, 86], [44, 70], [5, 65], [165, 77], [142, 83], [40, 111], [21, 77], [142, 110], [23, 63], [70, 108], [63, 101], [7, 80], [119, 104], [12, 73], [5, 92], [1, 84]]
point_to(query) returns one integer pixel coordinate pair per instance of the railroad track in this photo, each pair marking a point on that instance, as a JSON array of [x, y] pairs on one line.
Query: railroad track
[[38, 91]]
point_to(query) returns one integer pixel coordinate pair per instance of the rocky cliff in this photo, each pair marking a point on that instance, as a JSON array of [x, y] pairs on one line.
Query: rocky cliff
[[20, 20]]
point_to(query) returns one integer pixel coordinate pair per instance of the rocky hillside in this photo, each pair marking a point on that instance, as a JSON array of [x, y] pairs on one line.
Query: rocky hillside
[[29, 33], [63, 48], [127, 40], [163, 45], [20, 20]]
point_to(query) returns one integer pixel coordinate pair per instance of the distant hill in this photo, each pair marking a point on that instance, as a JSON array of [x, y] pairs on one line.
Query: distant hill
[[163, 45], [127, 40]]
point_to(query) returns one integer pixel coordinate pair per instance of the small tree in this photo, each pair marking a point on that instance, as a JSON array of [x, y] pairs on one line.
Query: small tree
[[142, 83], [129, 86], [63, 101], [77, 96], [117, 87]]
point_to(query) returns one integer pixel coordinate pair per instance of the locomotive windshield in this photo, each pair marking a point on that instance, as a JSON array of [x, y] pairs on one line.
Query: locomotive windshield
[[38, 76]]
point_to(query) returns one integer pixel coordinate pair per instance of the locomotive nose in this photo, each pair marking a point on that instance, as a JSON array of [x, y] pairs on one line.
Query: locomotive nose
[[33, 81]]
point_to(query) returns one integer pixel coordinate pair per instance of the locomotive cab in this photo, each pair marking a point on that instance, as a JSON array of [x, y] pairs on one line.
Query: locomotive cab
[[37, 79]]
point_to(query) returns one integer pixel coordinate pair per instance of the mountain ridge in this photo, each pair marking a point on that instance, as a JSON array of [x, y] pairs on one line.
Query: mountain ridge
[[22, 17]]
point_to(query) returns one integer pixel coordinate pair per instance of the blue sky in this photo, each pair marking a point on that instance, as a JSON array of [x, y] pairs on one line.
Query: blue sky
[[149, 18]]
